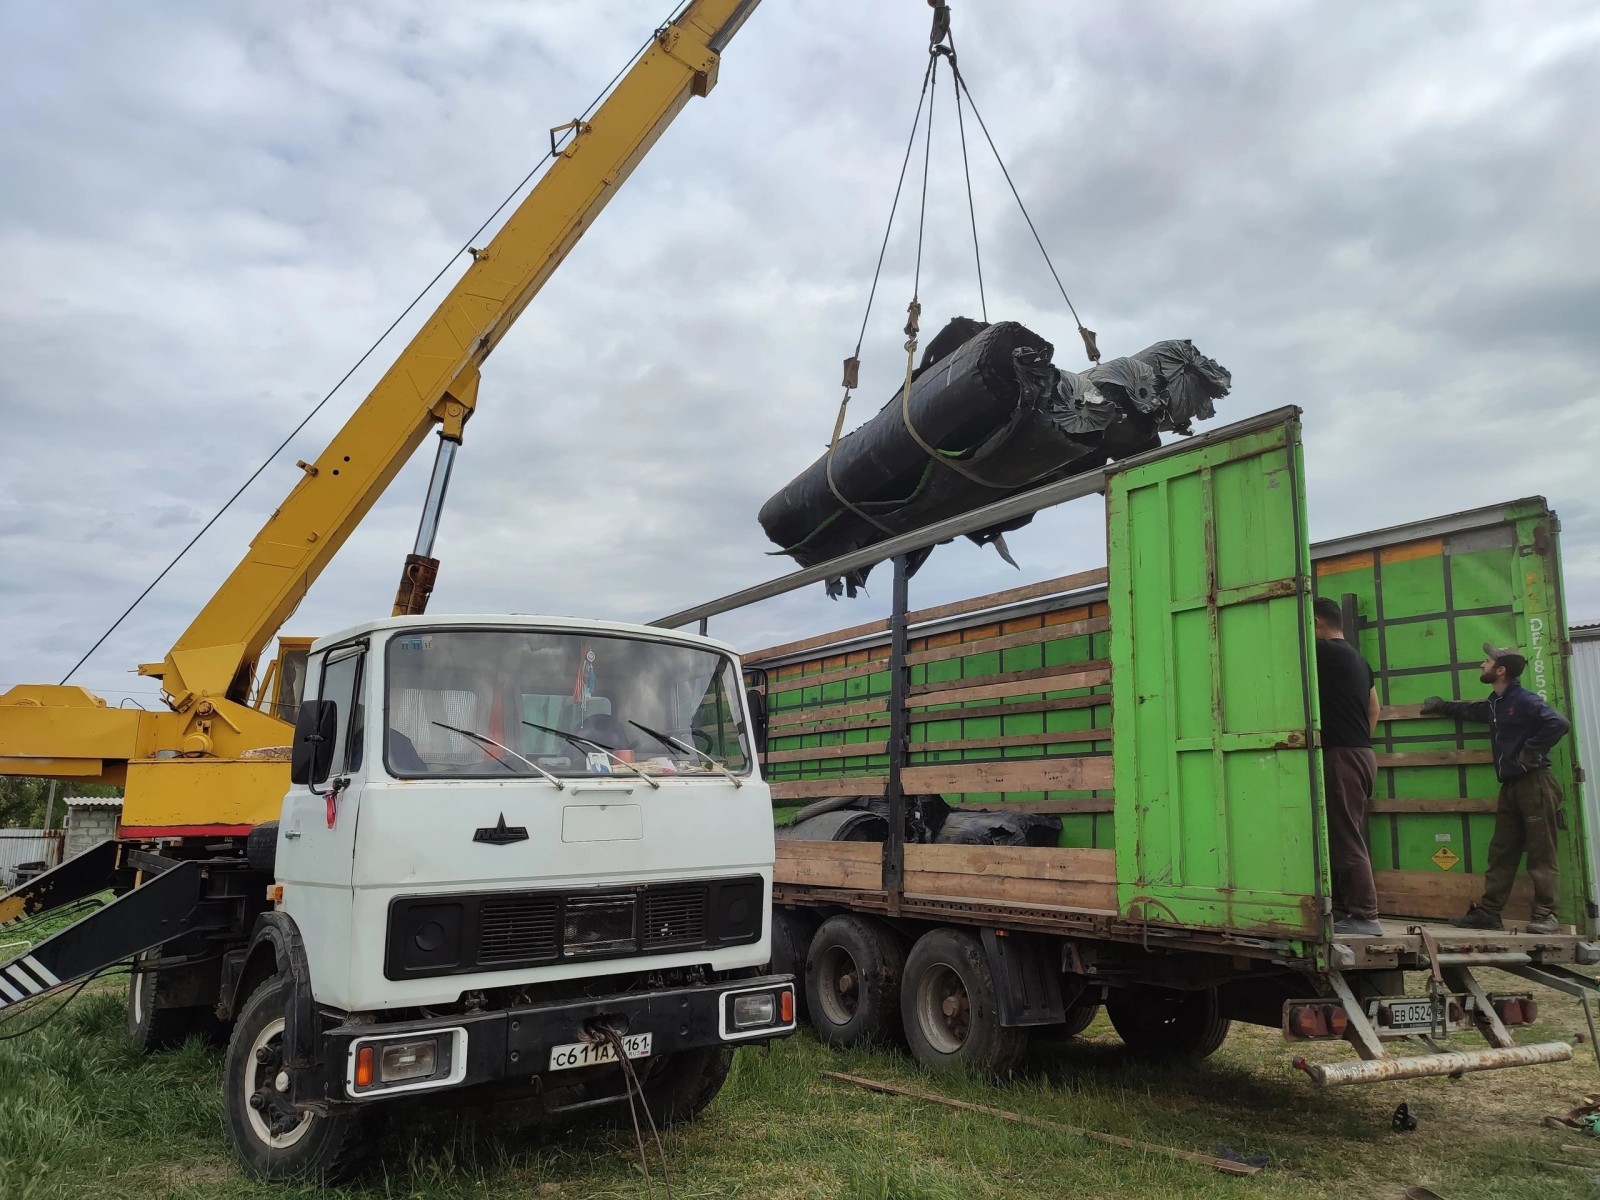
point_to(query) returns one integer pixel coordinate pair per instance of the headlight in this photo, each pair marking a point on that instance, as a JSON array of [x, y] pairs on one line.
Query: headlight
[[398, 1064], [757, 1012], [759, 1009], [400, 1061]]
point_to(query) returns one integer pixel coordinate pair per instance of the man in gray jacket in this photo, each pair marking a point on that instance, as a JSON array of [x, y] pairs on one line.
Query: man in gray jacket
[[1523, 728]]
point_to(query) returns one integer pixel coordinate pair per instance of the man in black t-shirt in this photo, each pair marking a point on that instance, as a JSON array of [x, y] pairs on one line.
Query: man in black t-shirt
[[1349, 705]]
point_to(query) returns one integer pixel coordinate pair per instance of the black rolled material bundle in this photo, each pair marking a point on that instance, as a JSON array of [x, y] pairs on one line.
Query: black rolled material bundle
[[989, 416]]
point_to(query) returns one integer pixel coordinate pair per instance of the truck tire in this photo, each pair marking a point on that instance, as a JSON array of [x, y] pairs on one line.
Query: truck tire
[[682, 1085], [951, 1010], [792, 930], [1163, 1024], [1080, 1015], [261, 848], [853, 971], [154, 1026], [274, 1141]]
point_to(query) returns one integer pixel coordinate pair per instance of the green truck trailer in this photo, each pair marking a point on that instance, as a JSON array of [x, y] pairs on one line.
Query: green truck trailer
[[1164, 710]]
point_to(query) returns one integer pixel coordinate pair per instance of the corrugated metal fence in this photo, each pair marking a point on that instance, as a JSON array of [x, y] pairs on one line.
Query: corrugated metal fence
[[21, 846], [1586, 728]]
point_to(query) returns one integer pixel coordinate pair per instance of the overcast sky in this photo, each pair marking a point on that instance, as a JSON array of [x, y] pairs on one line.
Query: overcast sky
[[1385, 213]]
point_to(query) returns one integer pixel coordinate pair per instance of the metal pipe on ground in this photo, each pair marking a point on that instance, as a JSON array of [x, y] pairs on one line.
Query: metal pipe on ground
[[1484, 958], [1418, 1066]]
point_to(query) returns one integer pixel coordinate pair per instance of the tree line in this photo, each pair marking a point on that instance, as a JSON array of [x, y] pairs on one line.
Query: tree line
[[23, 800]]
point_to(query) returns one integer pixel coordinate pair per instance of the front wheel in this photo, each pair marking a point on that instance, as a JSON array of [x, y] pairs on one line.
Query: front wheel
[[682, 1085], [951, 1011], [272, 1139], [1163, 1024]]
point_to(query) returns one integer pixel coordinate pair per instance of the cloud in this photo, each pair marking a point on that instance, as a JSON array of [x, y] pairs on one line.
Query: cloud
[[1382, 213]]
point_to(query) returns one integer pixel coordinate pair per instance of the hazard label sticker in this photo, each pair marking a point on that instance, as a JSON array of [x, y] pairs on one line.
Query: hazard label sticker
[[1445, 858]]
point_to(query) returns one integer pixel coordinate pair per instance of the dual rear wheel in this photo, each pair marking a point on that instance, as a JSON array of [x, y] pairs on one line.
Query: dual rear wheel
[[865, 987], [938, 997]]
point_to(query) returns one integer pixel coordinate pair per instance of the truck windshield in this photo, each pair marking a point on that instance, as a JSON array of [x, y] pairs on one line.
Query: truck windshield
[[571, 703]]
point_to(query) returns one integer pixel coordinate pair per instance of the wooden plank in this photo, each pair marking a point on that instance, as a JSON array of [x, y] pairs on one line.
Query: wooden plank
[[1400, 712], [1030, 675], [1226, 1165], [1028, 637], [822, 753], [829, 864], [1047, 738], [1436, 758], [814, 789], [1016, 595], [1442, 805], [776, 686], [1063, 863], [1032, 591], [1032, 683], [880, 718], [868, 721], [851, 851], [830, 712], [857, 749], [1083, 895], [754, 658], [1083, 773], [1442, 895]]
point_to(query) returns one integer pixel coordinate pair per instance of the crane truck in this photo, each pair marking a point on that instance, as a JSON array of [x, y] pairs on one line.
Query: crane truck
[[428, 855]]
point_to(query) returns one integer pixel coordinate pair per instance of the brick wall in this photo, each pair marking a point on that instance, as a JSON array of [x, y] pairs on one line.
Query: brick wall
[[88, 826]]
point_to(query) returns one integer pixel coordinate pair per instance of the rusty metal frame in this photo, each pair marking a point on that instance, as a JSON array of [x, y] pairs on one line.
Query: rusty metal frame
[[894, 846]]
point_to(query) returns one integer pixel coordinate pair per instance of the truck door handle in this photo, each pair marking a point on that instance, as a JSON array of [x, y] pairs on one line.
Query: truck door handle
[[291, 833]]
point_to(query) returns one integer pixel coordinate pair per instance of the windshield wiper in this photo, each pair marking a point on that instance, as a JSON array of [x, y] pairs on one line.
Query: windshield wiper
[[581, 741], [483, 737], [666, 739]]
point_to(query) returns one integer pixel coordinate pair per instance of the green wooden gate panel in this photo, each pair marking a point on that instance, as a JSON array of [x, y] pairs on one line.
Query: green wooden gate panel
[[1425, 602], [1218, 814]]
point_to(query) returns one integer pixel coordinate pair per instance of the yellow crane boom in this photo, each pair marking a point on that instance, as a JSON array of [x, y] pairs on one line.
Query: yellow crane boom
[[208, 764]]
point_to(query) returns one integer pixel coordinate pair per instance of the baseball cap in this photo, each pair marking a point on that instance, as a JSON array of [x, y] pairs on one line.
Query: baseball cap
[[1508, 657]]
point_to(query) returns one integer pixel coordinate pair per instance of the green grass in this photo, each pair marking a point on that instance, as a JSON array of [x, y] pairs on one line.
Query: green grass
[[82, 1115]]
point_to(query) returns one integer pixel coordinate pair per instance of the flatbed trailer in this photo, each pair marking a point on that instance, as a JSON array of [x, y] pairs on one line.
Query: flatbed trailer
[[1164, 710]]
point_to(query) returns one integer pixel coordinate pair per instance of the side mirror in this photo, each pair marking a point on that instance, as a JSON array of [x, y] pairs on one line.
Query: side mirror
[[316, 728], [758, 718]]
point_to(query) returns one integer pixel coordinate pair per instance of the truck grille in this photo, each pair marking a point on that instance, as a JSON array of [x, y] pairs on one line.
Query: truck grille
[[600, 925], [518, 929], [675, 916], [459, 934]]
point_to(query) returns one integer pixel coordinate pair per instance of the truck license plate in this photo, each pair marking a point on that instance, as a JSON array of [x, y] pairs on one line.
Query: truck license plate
[[1409, 1014], [586, 1054]]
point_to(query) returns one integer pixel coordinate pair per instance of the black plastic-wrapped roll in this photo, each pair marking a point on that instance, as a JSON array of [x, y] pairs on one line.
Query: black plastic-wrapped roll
[[988, 416]]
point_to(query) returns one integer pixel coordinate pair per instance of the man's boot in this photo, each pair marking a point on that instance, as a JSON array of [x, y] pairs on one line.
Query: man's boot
[[1478, 917], [1544, 921]]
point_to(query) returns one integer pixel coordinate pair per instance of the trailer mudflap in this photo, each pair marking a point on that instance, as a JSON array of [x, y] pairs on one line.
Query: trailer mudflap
[[1027, 973]]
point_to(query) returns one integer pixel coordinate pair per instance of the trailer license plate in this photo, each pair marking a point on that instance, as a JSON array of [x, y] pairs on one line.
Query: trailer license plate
[[1410, 1014], [585, 1054]]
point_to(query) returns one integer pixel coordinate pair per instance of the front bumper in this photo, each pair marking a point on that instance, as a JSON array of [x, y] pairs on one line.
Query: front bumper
[[517, 1043]]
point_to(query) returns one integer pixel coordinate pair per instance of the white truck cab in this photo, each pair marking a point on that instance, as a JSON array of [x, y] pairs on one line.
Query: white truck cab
[[514, 847]]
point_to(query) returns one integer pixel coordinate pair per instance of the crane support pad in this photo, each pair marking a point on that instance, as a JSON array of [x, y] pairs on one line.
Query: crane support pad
[[168, 906], [81, 875], [987, 416]]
